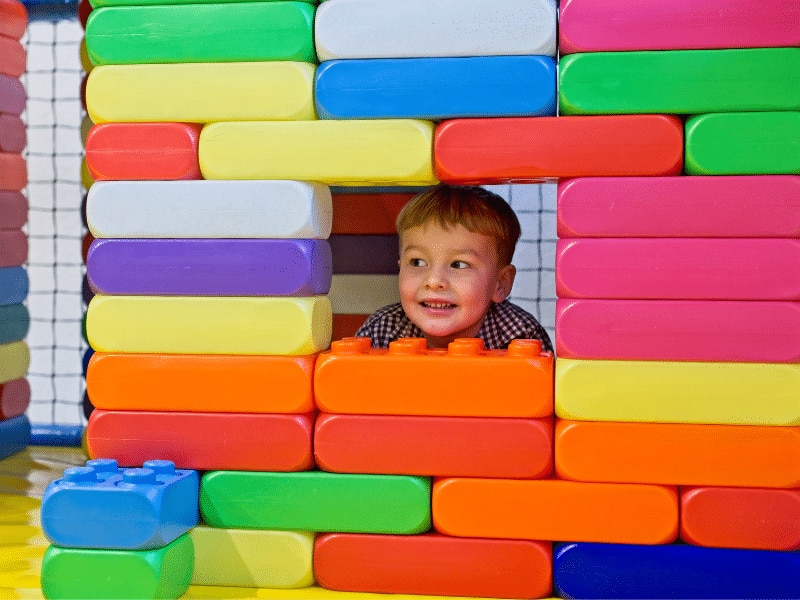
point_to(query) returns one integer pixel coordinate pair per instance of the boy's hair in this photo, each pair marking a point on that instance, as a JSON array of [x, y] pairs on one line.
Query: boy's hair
[[476, 209]]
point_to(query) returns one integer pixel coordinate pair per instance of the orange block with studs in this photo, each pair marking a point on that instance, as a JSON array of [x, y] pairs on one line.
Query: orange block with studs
[[464, 380], [678, 453]]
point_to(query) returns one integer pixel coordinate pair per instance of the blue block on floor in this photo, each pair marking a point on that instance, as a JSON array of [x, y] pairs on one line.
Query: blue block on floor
[[436, 88], [14, 323], [102, 506], [15, 433], [589, 570], [13, 285], [45, 434]]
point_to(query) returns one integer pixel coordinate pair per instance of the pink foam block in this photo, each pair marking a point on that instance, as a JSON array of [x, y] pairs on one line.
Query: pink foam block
[[600, 25], [679, 269], [727, 206], [690, 330], [13, 135]]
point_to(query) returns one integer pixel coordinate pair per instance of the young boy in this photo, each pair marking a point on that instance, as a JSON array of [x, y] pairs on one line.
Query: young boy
[[456, 245]]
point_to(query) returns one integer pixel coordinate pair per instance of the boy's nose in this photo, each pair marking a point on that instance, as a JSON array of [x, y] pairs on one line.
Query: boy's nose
[[435, 280]]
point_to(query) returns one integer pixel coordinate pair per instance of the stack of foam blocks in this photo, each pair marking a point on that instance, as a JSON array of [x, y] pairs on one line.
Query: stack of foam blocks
[[15, 390], [677, 319]]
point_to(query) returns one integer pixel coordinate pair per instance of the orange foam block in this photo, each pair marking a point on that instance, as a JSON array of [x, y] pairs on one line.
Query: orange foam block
[[500, 150], [553, 509], [13, 19], [433, 564], [13, 247], [143, 151], [15, 396], [513, 448], [677, 453], [12, 57], [13, 210], [345, 326], [201, 383], [367, 213], [203, 441], [13, 172], [463, 381], [752, 518]]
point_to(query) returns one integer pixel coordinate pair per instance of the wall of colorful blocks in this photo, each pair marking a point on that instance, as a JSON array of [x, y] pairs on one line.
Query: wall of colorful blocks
[[245, 165]]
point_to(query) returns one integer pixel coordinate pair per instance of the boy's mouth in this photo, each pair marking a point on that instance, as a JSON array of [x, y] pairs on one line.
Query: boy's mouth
[[437, 305]]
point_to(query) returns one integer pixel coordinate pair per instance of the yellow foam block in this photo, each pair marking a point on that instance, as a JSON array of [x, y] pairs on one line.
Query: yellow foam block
[[86, 125], [309, 593], [202, 92], [357, 152], [22, 593], [678, 392], [86, 178], [252, 558], [83, 55], [22, 535], [209, 325], [15, 358]]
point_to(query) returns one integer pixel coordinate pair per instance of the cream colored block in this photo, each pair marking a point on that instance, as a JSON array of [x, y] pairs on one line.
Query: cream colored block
[[678, 392], [357, 152], [15, 359], [252, 558], [201, 92], [209, 325], [426, 28], [362, 294], [209, 209], [309, 593]]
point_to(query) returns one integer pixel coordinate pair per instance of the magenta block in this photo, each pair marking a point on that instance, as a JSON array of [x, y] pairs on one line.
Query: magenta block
[[12, 95], [676, 330], [13, 134]]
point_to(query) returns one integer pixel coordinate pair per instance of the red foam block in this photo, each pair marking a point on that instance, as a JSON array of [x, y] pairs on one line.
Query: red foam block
[[13, 134], [13, 172], [13, 210], [13, 247], [12, 57], [15, 396], [13, 19], [12, 95]]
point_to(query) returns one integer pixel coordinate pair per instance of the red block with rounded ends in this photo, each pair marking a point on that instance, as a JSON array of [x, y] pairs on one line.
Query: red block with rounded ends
[[433, 565], [13, 247], [13, 134], [405, 445], [367, 214], [86, 243], [345, 326], [143, 151], [535, 149], [462, 381], [13, 172], [751, 518], [13, 19], [13, 210], [15, 396], [84, 10], [203, 441], [12, 57]]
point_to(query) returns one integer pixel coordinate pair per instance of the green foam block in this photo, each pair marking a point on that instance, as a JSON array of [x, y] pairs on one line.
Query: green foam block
[[237, 32], [78, 573], [680, 81], [759, 143], [316, 501], [102, 3]]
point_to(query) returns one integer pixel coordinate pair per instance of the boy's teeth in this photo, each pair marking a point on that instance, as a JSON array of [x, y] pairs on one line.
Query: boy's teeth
[[437, 304]]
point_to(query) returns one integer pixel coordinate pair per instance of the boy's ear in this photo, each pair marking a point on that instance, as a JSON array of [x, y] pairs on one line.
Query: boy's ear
[[505, 281]]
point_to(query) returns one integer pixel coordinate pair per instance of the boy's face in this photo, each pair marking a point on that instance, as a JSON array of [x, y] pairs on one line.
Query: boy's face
[[448, 280]]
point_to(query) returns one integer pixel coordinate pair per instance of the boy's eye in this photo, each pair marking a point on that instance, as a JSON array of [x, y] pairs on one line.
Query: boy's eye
[[459, 264], [416, 262]]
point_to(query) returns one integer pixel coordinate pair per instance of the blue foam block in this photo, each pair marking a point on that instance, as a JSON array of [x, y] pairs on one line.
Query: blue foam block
[[13, 285], [102, 506], [588, 570], [45, 434], [436, 88], [14, 323], [15, 433]]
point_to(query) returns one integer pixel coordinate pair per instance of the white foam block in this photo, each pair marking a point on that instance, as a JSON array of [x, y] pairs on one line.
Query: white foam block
[[362, 294], [209, 209], [426, 28]]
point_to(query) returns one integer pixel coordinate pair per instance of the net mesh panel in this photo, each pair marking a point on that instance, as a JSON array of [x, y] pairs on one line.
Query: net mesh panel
[[55, 268]]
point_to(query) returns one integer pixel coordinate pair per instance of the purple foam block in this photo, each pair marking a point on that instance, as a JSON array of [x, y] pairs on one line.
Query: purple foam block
[[210, 267]]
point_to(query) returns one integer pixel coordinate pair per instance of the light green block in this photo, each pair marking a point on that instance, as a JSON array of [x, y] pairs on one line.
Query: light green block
[[102, 3]]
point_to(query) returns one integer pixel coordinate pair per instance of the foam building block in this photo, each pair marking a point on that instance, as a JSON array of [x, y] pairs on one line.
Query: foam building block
[[209, 209], [13, 172], [12, 95], [534, 149], [752, 518], [707, 455], [309, 593], [365, 29], [658, 330], [15, 357], [462, 379], [14, 285], [15, 396], [220, 32], [361, 214], [13, 58], [203, 441], [407, 445], [102, 3], [14, 213], [84, 573], [86, 178], [552, 509], [202, 92], [143, 151], [14, 19], [743, 144], [626, 571], [103, 507], [679, 81], [209, 325], [15, 434], [436, 88], [694, 269], [378, 189], [252, 558], [710, 206], [14, 322], [357, 152], [597, 26], [210, 267], [201, 382], [678, 392], [83, 55], [13, 134], [346, 325], [316, 501], [433, 564], [362, 294], [46, 434], [365, 254]]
